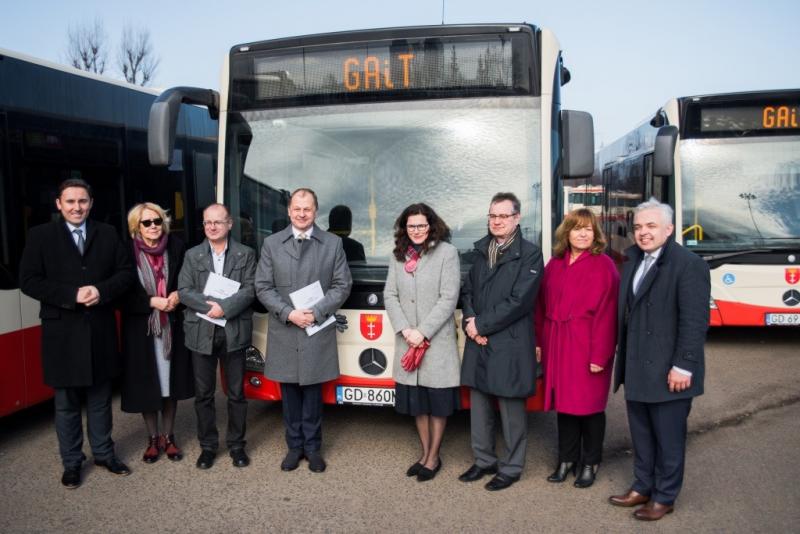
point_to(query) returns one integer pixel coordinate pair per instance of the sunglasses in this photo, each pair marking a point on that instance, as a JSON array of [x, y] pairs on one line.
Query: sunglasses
[[147, 222]]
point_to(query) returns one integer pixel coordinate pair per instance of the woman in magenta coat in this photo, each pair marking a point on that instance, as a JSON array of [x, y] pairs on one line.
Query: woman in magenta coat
[[576, 331]]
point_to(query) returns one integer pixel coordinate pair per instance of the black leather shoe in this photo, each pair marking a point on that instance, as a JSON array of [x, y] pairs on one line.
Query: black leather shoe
[[206, 459], [500, 482], [586, 478], [71, 478], [292, 460], [476, 473], [316, 462], [426, 474], [414, 470], [239, 458], [561, 472], [114, 466]]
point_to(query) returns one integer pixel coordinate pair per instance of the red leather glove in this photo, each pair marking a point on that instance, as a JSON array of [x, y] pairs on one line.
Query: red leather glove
[[420, 353], [413, 357], [408, 359]]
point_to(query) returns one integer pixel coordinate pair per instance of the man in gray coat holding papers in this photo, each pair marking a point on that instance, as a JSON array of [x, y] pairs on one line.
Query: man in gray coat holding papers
[[210, 342], [292, 259]]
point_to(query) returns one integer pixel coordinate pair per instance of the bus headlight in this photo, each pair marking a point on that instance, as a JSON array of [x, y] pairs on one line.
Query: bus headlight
[[711, 303], [253, 360]]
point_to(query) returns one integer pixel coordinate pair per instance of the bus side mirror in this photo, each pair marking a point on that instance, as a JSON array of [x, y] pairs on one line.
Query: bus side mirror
[[163, 119], [577, 133], [664, 151]]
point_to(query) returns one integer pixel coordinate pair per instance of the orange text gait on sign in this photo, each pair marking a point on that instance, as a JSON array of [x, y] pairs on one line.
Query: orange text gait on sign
[[370, 74], [779, 117]]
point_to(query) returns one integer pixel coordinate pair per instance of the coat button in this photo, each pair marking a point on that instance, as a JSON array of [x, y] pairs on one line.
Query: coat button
[[649, 333]]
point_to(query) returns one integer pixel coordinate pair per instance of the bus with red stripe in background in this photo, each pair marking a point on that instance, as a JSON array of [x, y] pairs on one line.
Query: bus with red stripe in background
[[374, 120], [735, 187], [56, 123]]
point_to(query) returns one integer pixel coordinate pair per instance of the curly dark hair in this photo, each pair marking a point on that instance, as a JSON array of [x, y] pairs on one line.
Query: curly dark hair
[[437, 232]]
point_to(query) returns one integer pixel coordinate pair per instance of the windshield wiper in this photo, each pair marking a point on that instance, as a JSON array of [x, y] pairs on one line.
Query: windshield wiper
[[726, 255]]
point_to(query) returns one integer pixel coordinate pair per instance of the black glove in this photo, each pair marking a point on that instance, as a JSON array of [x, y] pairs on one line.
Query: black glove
[[341, 322]]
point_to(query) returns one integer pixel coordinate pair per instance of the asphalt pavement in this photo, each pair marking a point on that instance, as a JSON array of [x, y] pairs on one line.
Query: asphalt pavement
[[741, 473]]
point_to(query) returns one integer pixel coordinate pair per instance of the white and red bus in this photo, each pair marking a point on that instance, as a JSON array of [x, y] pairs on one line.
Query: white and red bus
[[735, 186], [375, 120], [56, 123]]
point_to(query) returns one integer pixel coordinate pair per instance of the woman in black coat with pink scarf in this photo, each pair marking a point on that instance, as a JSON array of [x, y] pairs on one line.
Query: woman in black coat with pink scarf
[[157, 369]]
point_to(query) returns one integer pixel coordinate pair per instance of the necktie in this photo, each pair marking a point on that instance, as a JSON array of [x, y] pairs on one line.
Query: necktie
[[79, 240], [648, 259], [301, 236]]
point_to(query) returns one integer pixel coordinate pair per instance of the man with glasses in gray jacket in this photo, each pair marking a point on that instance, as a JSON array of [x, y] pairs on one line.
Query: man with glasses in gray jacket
[[222, 333]]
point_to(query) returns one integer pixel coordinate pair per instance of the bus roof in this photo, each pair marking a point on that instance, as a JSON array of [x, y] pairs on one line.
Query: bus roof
[[741, 95], [383, 33], [77, 72]]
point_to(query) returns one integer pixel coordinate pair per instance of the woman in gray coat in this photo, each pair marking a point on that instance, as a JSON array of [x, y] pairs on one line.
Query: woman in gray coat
[[421, 293]]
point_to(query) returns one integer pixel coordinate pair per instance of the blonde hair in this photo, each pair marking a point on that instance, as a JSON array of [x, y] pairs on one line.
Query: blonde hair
[[135, 216], [576, 219]]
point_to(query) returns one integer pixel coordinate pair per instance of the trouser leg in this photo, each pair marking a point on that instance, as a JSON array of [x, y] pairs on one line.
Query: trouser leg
[[482, 420], [312, 417], [292, 404], [669, 427], [593, 431], [98, 420], [514, 420], [233, 368], [69, 426], [569, 438], [644, 447], [205, 385]]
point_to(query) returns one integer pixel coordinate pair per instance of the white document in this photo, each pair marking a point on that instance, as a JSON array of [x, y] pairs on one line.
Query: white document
[[305, 299], [219, 287]]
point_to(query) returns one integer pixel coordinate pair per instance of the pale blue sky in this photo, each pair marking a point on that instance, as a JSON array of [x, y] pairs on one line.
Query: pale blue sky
[[626, 57]]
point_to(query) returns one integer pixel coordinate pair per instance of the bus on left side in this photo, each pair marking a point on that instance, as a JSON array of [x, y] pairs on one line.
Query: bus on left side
[[57, 123]]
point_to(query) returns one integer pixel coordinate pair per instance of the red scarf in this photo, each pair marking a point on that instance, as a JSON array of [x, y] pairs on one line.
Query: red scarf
[[412, 259]]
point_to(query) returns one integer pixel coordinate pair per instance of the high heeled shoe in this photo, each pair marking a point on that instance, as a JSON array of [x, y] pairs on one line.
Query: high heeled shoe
[[587, 476], [171, 448], [152, 452], [561, 472]]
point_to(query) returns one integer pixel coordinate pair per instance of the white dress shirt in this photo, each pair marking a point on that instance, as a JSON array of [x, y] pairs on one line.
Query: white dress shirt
[[71, 227], [219, 259], [297, 232]]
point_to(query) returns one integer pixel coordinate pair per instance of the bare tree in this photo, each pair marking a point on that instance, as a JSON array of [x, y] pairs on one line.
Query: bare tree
[[135, 56], [86, 47]]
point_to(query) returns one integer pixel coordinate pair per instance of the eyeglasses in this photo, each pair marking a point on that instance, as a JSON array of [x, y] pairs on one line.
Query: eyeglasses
[[147, 222], [417, 227], [214, 223], [503, 217]]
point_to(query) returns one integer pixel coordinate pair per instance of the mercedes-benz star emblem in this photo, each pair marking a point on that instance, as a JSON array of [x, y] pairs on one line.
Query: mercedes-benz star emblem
[[372, 362], [791, 297]]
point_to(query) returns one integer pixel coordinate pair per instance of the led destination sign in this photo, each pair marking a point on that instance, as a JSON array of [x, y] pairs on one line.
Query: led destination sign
[[449, 66], [737, 119]]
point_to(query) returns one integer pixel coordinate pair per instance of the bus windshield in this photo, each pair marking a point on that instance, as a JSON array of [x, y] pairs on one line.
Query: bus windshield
[[378, 158], [742, 193]]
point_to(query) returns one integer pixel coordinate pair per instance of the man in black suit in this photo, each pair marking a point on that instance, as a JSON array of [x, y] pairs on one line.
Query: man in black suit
[[663, 320], [75, 268]]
